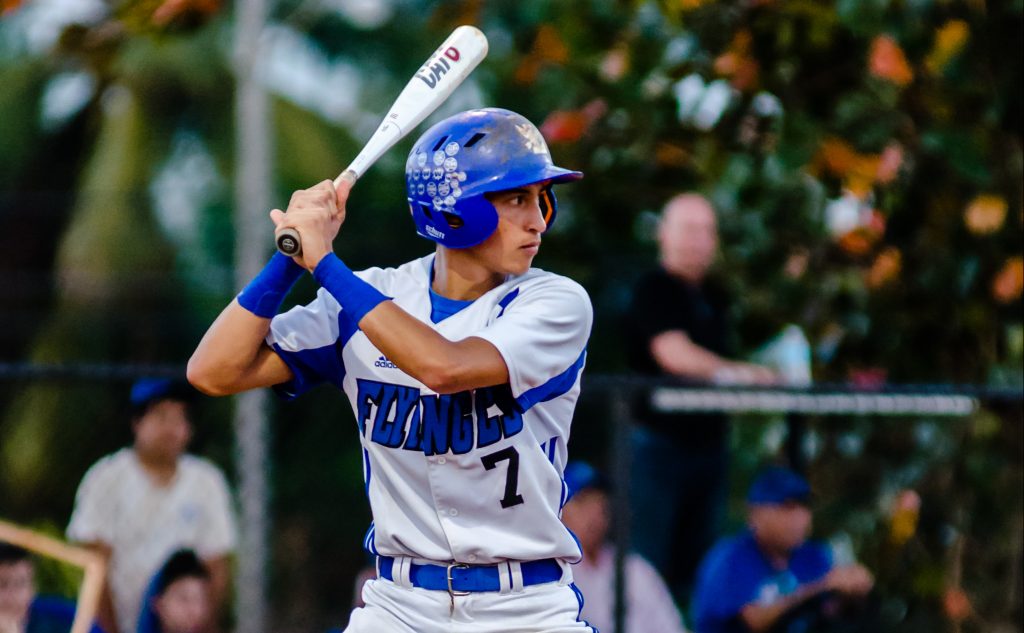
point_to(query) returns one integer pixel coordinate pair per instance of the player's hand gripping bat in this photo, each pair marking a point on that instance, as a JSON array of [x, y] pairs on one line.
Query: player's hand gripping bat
[[450, 64]]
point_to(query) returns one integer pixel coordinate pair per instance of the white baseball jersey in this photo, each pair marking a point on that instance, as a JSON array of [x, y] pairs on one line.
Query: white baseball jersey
[[473, 477]]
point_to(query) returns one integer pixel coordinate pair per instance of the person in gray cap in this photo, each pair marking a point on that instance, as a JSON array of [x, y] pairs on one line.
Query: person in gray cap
[[771, 577]]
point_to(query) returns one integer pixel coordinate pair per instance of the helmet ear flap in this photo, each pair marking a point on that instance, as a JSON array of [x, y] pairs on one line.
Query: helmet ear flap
[[548, 206]]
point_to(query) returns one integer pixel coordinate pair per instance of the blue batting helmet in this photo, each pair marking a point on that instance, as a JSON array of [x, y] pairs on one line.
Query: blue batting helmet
[[473, 153]]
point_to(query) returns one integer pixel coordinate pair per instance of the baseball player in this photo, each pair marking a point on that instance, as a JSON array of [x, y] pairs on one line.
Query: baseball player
[[463, 369]]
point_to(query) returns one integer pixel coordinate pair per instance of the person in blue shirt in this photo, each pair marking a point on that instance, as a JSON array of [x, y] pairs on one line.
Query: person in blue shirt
[[771, 577], [21, 610]]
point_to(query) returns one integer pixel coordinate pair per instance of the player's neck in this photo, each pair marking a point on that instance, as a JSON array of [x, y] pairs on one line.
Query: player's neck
[[160, 469], [777, 557], [459, 276], [690, 276], [592, 552]]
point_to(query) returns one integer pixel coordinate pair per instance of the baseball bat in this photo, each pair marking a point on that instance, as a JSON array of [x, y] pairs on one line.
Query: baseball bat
[[436, 79]]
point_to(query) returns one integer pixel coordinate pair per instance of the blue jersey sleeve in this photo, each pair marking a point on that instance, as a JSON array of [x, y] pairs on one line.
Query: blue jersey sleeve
[[50, 614], [726, 581], [811, 562], [310, 340]]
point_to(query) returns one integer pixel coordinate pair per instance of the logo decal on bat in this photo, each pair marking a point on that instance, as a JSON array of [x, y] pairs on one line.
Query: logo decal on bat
[[437, 66]]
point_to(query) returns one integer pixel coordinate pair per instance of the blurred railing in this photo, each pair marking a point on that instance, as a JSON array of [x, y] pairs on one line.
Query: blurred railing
[[88, 372]]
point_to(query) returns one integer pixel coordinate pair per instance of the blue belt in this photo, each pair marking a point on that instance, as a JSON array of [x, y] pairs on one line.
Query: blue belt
[[469, 578]]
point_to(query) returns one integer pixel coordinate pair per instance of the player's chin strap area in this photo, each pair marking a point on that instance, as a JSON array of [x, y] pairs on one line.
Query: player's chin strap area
[[460, 580]]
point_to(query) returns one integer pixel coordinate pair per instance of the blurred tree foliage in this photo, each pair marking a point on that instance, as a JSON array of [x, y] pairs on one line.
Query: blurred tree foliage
[[865, 158]]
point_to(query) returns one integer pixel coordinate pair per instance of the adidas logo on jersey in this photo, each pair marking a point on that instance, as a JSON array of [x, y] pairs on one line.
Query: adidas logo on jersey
[[385, 363]]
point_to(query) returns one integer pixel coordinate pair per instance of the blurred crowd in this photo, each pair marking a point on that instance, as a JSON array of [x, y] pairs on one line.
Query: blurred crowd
[[162, 520]]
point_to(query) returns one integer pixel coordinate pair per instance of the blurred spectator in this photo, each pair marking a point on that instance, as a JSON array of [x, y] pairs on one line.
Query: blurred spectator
[[677, 325], [771, 578], [368, 572], [142, 503], [21, 610], [178, 599], [649, 605]]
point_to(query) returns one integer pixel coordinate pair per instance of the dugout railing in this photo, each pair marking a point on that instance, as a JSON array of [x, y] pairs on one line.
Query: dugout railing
[[620, 394]]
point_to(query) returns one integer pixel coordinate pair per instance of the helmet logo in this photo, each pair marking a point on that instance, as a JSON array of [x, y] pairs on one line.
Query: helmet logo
[[532, 138], [432, 232]]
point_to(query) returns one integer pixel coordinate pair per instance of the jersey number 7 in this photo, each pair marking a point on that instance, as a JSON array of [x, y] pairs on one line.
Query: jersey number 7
[[512, 496]]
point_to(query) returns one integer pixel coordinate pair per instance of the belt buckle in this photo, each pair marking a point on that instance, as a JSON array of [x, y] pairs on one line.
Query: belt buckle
[[451, 592], [448, 574]]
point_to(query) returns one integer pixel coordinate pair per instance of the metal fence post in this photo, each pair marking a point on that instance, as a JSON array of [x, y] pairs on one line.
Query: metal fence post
[[621, 459], [250, 426], [796, 433], [252, 235]]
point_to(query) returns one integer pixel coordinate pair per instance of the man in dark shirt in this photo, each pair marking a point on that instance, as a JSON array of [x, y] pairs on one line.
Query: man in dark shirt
[[678, 325]]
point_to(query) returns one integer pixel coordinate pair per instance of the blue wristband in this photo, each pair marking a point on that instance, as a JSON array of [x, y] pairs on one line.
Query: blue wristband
[[356, 296], [264, 294]]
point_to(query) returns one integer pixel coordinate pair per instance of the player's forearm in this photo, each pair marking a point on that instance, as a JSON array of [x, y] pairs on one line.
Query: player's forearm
[[442, 365], [220, 580], [759, 617], [105, 615], [676, 354], [231, 357]]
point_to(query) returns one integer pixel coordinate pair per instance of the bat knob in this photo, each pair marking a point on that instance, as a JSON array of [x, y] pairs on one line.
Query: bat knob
[[288, 242]]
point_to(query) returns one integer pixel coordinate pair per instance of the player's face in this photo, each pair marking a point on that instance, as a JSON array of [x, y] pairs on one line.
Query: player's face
[[184, 606], [16, 591], [781, 527], [516, 241], [164, 431], [688, 237]]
